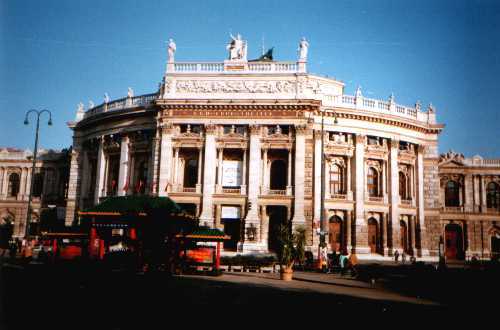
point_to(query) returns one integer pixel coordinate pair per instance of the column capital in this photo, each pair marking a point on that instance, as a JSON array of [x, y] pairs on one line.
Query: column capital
[[255, 129], [300, 129], [167, 128], [420, 148], [210, 128], [394, 143], [360, 138]]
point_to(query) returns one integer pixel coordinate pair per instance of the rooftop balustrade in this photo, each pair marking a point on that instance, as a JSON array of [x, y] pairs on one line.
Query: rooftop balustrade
[[248, 67]]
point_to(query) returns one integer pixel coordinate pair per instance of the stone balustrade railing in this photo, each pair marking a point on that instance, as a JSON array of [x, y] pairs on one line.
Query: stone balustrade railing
[[252, 67], [123, 103], [372, 105]]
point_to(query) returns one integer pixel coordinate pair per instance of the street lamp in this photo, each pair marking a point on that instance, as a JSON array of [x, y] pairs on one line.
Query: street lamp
[[26, 122], [322, 232]]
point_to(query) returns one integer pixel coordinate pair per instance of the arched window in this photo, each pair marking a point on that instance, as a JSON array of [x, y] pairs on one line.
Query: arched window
[[38, 185], [372, 182], [452, 196], [403, 190], [13, 185], [493, 195], [336, 179]]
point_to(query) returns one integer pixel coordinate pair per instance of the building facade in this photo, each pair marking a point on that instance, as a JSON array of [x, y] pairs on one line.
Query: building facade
[[49, 186], [239, 143]]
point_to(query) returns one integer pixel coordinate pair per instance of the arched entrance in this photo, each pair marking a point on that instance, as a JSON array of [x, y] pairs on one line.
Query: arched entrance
[[277, 217], [454, 247], [335, 234], [278, 175], [373, 235], [403, 228]]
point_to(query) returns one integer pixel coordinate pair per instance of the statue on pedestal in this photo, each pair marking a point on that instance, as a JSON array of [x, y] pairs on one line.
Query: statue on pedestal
[[171, 50], [130, 92], [237, 48], [106, 98], [303, 48]]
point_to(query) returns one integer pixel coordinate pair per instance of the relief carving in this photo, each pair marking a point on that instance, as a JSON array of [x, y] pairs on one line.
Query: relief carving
[[209, 86]]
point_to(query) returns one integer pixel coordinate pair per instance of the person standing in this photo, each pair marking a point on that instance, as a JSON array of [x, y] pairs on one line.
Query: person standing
[[396, 256], [403, 257]]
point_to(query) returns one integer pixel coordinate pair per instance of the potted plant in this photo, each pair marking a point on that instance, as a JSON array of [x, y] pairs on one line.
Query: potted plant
[[291, 248]]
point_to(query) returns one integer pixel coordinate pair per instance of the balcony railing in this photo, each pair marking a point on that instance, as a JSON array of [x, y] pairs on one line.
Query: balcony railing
[[231, 190], [339, 196], [123, 103], [376, 199], [453, 209], [406, 201], [189, 189], [281, 192]]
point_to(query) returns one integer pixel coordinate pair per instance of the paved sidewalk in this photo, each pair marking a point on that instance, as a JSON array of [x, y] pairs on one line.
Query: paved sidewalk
[[317, 282]]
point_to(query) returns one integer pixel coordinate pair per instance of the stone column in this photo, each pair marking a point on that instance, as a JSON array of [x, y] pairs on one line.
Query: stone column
[[421, 227], [175, 178], [347, 219], [289, 177], [468, 187], [300, 148], [384, 181], [394, 195], [349, 179], [483, 194], [154, 160], [22, 183], [411, 234], [360, 241], [28, 179], [2, 179], [264, 228], [123, 179], [317, 177], [254, 175], [385, 232], [84, 191], [165, 177], [243, 187], [100, 175], [209, 175], [219, 169], [73, 184], [265, 179], [200, 162]]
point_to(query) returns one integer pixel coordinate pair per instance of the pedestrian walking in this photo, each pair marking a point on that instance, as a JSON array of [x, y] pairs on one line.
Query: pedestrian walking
[[353, 264], [343, 263], [396, 256], [403, 257]]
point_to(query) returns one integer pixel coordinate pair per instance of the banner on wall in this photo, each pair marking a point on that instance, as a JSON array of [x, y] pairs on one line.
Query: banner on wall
[[231, 173]]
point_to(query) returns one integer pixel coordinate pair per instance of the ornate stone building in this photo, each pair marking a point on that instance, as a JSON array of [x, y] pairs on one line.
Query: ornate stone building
[[49, 187], [470, 206], [238, 143]]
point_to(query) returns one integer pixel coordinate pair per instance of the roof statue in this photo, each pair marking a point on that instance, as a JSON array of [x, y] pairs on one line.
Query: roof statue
[[451, 156], [91, 104], [237, 48], [106, 98], [130, 92], [303, 48], [172, 47]]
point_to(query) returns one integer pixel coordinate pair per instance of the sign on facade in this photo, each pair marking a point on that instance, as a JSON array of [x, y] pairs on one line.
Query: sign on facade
[[231, 173], [230, 212]]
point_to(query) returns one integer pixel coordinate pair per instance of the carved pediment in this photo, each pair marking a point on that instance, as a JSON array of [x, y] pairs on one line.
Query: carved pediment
[[451, 157]]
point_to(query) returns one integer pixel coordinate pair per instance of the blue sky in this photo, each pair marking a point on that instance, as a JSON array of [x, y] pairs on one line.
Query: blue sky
[[54, 54]]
